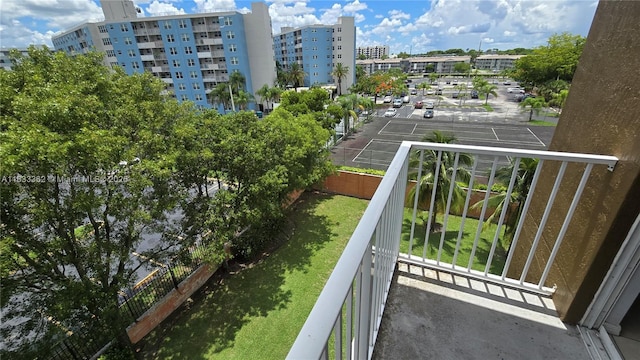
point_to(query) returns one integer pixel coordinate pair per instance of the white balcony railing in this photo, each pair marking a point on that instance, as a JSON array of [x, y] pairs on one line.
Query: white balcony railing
[[345, 320]]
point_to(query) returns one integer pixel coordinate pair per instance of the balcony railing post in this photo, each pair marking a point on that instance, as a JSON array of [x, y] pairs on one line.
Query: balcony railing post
[[363, 306]]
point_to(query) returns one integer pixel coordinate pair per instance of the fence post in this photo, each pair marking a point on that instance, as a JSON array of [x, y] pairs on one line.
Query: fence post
[[126, 302], [173, 277]]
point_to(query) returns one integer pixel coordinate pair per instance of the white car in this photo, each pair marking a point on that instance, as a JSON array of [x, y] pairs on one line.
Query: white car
[[428, 105], [430, 92], [405, 99], [516, 90], [391, 112], [387, 99]]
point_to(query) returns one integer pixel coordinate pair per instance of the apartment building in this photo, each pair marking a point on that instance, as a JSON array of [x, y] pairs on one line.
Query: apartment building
[[496, 63], [317, 49], [191, 53], [5, 61], [437, 64], [374, 52]]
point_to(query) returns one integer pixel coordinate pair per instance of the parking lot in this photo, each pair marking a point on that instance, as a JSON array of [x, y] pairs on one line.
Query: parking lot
[[375, 144]]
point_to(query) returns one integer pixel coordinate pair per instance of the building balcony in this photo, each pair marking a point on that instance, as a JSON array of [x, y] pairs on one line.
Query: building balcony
[[147, 45], [459, 293], [146, 57]]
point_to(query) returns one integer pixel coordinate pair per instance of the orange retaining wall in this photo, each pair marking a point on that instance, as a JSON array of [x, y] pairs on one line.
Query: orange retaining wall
[[169, 303], [363, 186]]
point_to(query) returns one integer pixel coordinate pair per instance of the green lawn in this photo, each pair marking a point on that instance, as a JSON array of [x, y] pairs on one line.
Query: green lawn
[[258, 312], [450, 239]]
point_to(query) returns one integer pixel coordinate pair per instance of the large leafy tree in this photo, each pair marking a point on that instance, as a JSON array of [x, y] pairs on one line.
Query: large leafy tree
[[441, 162], [340, 72], [86, 178], [557, 60]]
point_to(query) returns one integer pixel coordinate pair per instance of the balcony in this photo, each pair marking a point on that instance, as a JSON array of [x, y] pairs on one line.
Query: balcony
[[455, 294]]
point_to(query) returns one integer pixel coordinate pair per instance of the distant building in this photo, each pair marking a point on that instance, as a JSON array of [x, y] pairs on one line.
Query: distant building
[[317, 49], [191, 53], [437, 64], [496, 63], [374, 52], [5, 62]]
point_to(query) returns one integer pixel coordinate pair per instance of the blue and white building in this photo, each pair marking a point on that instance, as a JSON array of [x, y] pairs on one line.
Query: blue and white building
[[191, 53], [317, 49]]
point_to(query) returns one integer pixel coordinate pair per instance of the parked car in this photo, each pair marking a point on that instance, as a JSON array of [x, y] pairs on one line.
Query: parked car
[[397, 103], [391, 112], [428, 114], [439, 91], [474, 94], [387, 99], [507, 82], [405, 99], [428, 105], [413, 91], [455, 95], [418, 105], [430, 92]]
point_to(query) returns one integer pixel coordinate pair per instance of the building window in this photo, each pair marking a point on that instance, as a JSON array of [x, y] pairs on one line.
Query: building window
[[198, 97], [167, 24], [183, 97], [185, 37], [182, 86], [232, 48], [191, 62], [339, 47], [234, 61], [228, 21], [135, 65], [339, 56], [339, 29], [339, 38], [182, 24], [131, 52], [179, 75], [124, 28], [193, 74], [173, 51], [196, 86], [170, 38], [128, 41], [106, 41], [176, 63], [102, 29], [111, 53], [230, 35], [314, 39], [187, 50], [114, 64]]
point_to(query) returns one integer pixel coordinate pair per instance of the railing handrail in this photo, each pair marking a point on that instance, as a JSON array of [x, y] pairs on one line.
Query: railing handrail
[[608, 160], [314, 334]]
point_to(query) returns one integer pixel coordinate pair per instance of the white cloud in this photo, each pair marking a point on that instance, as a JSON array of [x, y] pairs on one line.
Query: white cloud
[[397, 14], [215, 5], [487, 40], [157, 8], [386, 26]]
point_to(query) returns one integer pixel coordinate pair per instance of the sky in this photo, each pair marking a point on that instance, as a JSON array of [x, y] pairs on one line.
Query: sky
[[406, 26]]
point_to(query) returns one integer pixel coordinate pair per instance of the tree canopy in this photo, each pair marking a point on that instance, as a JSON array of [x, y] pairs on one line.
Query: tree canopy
[[557, 60], [97, 165]]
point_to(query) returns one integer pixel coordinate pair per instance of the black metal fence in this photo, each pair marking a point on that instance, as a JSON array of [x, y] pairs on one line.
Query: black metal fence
[[134, 301]]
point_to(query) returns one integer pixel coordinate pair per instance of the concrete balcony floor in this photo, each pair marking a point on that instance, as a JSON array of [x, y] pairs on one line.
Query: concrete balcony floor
[[436, 315]]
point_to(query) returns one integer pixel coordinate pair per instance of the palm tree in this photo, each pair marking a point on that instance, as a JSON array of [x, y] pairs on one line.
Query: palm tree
[[296, 75], [274, 95], [263, 92], [340, 72], [430, 166], [486, 90], [243, 98], [524, 176], [424, 86], [348, 104], [534, 104], [237, 81], [220, 95]]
